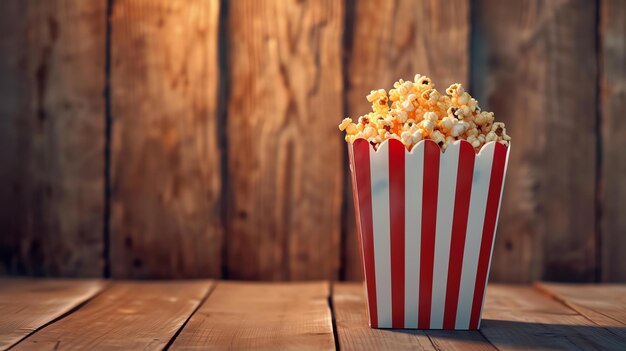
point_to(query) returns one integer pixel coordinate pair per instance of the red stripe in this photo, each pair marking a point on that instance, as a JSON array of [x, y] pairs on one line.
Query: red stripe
[[464, 175], [356, 208], [491, 213], [361, 150], [429, 223], [396, 211]]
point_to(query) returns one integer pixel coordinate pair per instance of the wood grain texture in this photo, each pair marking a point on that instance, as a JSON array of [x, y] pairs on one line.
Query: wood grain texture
[[519, 317], [27, 304], [126, 316], [534, 65], [165, 162], [284, 150], [390, 40], [604, 304], [350, 312], [258, 316], [613, 130], [52, 137]]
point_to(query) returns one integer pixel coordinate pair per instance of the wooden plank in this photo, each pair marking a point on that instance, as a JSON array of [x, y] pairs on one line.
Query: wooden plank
[[535, 67], [284, 151], [261, 316], [165, 162], [26, 305], [52, 137], [126, 316], [612, 105], [520, 317], [604, 304], [397, 39], [350, 311]]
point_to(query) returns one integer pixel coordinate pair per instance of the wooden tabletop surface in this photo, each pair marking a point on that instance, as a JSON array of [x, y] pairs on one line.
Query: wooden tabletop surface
[[205, 314]]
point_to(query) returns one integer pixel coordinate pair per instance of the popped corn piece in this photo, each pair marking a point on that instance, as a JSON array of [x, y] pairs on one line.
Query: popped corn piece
[[406, 138], [418, 135], [428, 125], [431, 116], [400, 116], [463, 99], [472, 131], [423, 82], [407, 105], [483, 118], [405, 88], [455, 89], [369, 132], [446, 124], [472, 139], [485, 128], [394, 95], [345, 123], [398, 83], [381, 106], [459, 128], [375, 95], [463, 112], [351, 129], [473, 105], [500, 131], [438, 137]]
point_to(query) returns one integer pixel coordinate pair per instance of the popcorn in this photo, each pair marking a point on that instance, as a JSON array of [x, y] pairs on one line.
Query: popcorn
[[406, 137], [418, 111], [428, 125], [459, 128]]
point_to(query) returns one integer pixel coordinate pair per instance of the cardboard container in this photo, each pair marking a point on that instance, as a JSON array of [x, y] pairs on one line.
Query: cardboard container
[[426, 221]]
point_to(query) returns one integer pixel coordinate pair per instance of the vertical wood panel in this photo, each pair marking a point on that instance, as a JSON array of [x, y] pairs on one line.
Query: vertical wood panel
[[285, 161], [165, 164], [392, 40], [613, 105], [51, 136], [534, 65]]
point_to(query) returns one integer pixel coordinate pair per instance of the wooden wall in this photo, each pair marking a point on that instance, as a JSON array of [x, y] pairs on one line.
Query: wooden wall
[[197, 138]]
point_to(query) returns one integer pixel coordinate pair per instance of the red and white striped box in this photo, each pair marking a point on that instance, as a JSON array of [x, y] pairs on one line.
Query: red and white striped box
[[426, 221]]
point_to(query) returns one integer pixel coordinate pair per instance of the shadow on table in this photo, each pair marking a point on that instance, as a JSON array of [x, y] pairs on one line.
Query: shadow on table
[[534, 335]]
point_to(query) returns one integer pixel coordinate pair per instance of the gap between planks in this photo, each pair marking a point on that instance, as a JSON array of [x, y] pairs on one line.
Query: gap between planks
[[131, 314], [590, 301], [79, 293], [261, 315], [202, 301], [526, 317]]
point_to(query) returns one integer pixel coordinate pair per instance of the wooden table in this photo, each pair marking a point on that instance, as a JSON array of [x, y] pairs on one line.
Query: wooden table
[[204, 314]]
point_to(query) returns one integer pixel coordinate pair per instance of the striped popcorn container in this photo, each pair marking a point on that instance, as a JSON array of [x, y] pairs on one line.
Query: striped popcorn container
[[426, 222]]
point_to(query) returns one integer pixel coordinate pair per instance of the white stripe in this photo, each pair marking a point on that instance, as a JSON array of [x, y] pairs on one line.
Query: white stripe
[[413, 182], [445, 212], [506, 165], [379, 162], [475, 221]]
